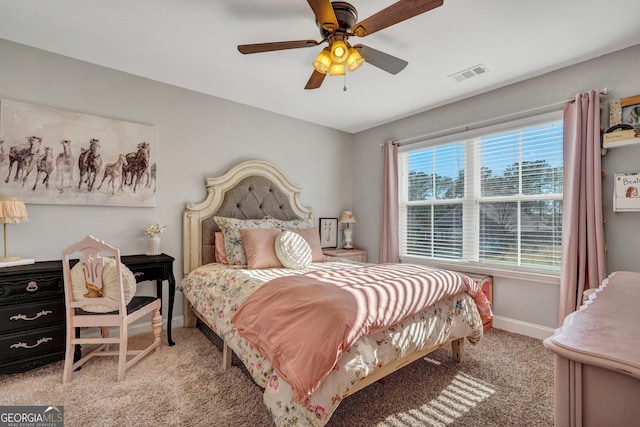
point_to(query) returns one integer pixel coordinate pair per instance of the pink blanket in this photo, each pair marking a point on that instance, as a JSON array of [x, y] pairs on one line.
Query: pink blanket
[[304, 323]]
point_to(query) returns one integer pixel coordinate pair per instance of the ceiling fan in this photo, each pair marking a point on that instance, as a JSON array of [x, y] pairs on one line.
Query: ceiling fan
[[337, 22]]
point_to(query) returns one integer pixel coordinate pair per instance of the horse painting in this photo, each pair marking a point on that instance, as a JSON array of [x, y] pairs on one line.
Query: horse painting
[[64, 165], [113, 171], [89, 163], [23, 155], [135, 167], [45, 166]]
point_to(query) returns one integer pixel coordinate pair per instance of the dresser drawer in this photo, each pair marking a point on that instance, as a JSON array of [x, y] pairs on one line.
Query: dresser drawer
[[151, 272], [32, 343], [32, 315], [26, 288]]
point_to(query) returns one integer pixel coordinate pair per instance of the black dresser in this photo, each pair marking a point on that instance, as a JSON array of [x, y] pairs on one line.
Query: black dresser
[[32, 318]]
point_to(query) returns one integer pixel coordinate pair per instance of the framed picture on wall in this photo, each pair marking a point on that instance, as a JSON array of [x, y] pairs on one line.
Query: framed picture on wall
[[58, 157], [328, 232], [626, 192]]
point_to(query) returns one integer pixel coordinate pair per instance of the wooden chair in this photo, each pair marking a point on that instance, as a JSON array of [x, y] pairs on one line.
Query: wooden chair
[[95, 257]]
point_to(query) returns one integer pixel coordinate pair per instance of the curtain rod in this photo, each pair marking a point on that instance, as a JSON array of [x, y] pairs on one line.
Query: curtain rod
[[451, 131]]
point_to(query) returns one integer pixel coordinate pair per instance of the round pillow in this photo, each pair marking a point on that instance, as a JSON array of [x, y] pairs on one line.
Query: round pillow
[[109, 285], [292, 250]]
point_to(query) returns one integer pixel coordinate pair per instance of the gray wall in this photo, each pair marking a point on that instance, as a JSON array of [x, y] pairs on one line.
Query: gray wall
[[519, 304], [201, 136], [198, 136]]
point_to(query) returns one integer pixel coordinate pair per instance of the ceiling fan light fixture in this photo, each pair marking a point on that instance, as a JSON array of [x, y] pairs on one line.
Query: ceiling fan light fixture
[[337, 22], [355, 60], [337, 69], [339, 52], [322, 63]]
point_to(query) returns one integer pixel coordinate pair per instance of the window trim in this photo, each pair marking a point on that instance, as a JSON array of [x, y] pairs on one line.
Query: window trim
[[516, 272], [479, 132], [522, 273]]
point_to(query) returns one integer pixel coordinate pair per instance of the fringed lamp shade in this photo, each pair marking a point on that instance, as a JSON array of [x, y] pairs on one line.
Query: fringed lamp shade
[[348, 217], [12, 210]]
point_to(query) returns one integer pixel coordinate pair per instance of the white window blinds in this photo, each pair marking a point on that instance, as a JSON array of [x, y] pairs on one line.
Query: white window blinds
[[492, 198]]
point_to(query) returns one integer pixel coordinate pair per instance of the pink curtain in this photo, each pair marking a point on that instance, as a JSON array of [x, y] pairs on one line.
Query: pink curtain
[[389, 247], [583, 257]]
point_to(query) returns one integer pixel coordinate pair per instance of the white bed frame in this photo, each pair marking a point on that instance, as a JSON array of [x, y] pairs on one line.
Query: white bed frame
[[196, 213]]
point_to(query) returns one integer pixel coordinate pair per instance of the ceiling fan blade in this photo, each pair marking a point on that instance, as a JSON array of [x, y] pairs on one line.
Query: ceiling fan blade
[[397, 12], [382, 60], [324, 14], [315, 81], [269, 47]]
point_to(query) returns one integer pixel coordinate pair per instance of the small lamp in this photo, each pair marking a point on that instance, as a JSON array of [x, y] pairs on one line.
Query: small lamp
[[347, 217], [11, 211]]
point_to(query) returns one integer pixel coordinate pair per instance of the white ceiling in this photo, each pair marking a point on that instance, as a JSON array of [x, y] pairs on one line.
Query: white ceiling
[[192, 44]]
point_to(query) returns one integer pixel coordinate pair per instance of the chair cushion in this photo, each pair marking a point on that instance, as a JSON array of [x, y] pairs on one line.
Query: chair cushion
[[109, 285]]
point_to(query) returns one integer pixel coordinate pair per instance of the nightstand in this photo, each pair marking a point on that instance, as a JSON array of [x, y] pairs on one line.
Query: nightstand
[[32, 317], [352, 254]]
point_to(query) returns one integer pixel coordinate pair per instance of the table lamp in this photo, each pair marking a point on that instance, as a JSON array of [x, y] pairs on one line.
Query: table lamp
[[347, 217], [12, 210]]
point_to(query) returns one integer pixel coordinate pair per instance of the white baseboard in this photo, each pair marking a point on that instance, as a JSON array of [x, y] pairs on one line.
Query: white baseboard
[[522, 328]]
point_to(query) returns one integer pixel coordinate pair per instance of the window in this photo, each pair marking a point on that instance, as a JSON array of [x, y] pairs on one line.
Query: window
[[493, 198]]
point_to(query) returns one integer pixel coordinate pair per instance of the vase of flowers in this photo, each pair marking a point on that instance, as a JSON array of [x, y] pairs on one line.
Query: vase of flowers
[[153, 232]]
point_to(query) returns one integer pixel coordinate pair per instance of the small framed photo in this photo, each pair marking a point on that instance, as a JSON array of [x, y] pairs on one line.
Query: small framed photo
[[631, 115], [625, 111], [328, 232]]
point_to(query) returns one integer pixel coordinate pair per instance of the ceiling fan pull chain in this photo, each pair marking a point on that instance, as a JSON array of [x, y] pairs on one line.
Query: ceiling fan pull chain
[[344, 89]]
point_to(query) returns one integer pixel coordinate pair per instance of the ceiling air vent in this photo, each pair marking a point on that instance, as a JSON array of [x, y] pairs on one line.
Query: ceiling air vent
[[468, 73]]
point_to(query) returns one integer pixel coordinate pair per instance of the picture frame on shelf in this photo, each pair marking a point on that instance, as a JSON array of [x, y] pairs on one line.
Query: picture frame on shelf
[[631, 112], [328, 232], [625, 111], [624, 123]]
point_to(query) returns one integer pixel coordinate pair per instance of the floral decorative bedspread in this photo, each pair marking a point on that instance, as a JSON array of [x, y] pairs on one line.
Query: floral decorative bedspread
[[216, 291]]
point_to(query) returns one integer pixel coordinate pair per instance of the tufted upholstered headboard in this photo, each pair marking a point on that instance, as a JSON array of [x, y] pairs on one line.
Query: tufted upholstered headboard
[[250, 190]]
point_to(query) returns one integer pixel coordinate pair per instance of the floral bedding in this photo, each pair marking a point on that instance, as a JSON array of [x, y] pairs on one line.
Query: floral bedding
[[216, 291]]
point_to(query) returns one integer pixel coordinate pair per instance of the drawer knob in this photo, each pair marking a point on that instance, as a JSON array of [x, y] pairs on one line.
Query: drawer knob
[[32, 286], [25, 345], [25, 317]]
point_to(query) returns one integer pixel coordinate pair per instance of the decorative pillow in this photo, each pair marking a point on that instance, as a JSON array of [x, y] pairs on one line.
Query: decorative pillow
[[312, 236], [110, 288], [292, 250], [220, 251], [259, 247], [294, 223], [230, 228]]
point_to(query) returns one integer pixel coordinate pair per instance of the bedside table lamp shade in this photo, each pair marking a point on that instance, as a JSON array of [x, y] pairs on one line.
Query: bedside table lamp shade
[[347, 217], [12, 210]]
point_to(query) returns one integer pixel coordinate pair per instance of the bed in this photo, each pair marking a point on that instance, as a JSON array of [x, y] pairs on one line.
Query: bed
[[257, 195]]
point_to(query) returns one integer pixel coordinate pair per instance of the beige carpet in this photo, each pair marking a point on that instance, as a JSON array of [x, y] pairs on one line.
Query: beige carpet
[[505, 380]]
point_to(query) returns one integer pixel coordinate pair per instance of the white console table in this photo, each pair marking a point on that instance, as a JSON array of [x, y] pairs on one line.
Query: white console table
[[597, 357]]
